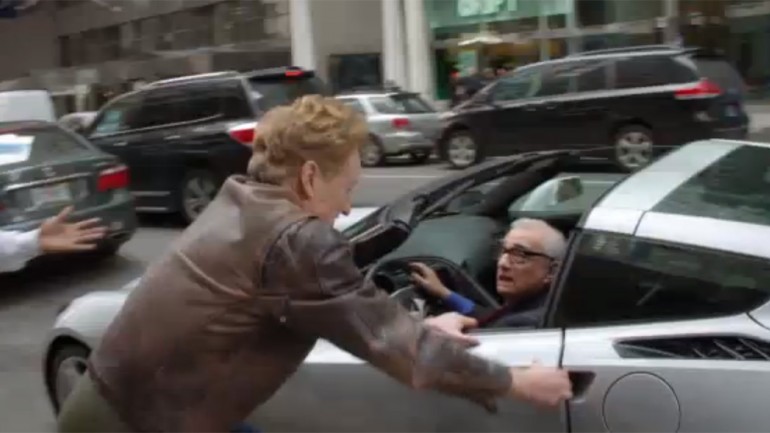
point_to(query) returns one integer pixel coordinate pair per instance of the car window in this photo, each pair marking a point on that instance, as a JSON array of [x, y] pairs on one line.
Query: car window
[[405, 103], [734, 188], [121, 115], [647, 71], [592, 75], [557, 80], [271, 92], [615, 279], [520, 85], [224, 100], [39, 145], [544, 198], [163, 106], [354, 104]]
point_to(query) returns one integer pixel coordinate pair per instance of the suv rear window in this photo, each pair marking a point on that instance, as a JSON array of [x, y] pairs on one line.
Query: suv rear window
[[651, 70], [401, 103], [270, 92], [39, 145]]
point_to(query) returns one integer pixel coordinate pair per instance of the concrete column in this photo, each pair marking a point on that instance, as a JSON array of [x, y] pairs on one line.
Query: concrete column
[[574, 45], [394, 59], [672, 32], [419, 50], [302, 45]]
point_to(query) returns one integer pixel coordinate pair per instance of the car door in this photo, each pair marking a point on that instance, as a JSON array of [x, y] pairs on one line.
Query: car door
[[335, 391], [658, 335], [512, 119]]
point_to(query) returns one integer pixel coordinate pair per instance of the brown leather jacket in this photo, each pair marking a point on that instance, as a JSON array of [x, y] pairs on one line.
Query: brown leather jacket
[[230, 312]]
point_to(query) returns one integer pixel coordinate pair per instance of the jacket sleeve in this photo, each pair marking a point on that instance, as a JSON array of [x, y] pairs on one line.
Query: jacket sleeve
[[17, 248], [327, 297]]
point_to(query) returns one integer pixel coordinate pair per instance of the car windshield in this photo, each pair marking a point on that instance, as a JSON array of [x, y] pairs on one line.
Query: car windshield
[[401, 103], [274, 91], [38, 145], [545, 198]]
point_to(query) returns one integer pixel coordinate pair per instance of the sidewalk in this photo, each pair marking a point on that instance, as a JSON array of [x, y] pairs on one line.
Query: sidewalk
[[760, 117]]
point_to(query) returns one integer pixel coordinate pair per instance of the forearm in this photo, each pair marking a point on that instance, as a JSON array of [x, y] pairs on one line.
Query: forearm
[[17, 248]]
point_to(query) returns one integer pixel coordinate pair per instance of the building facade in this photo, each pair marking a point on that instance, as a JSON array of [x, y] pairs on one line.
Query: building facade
[[85, 51]]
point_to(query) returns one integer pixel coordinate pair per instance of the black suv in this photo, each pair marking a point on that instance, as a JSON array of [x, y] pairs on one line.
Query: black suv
[[180, 137], [636, 100]]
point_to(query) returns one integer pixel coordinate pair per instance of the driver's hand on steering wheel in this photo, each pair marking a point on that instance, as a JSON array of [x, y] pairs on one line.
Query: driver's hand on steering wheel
[[427, 278]]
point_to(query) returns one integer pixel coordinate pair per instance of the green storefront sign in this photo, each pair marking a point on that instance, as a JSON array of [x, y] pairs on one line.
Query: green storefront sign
[[451, 13]]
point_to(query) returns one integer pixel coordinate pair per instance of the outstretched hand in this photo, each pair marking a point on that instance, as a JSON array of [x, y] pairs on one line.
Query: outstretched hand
[[59, 236], [454, 325]]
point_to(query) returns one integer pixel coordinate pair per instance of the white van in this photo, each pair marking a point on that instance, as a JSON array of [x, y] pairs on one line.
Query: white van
[[19, 105]]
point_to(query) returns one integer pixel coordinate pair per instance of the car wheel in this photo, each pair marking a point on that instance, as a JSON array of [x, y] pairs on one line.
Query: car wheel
[[198, 190], [420, 157], [69, 363], [372, 153], [633, 147], [462, 150]]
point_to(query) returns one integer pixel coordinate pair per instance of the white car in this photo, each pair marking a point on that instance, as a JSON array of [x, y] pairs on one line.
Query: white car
[[660, 310]]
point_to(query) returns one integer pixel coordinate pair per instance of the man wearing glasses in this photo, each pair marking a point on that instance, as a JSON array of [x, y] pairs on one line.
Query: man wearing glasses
[[530, 253]]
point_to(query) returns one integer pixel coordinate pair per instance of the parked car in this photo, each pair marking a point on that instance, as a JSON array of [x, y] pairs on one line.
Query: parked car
[[400, 123], [44, 168], [77, 122], [25, 105], [175, 135], [660, 309], [637, 100]]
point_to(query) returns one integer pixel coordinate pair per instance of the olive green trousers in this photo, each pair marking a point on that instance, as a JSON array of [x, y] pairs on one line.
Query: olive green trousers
[[85, 410]]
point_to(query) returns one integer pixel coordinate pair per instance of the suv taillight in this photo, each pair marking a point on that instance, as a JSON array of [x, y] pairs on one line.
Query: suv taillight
[[704, 89], [400, 123], [113, 178], [244, 133]]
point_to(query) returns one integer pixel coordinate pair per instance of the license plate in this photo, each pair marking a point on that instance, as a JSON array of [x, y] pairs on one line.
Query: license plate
[[51, 195], [731, 111]]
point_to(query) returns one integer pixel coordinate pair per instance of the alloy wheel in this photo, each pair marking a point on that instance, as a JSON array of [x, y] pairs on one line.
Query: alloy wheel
[[197, 194], [461, 150], [371, 154], [633, 149]]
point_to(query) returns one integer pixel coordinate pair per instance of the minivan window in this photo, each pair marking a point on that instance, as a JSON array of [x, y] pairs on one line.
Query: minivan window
[[118, 116], [274, 91], [648, 71], [522, 84], [39, 145], [400, 104]]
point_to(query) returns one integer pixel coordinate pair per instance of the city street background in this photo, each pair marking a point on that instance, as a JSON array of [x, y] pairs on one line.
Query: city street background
[[29, 301]]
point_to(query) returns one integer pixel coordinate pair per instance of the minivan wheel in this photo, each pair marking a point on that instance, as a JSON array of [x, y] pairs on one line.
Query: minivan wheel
[[198, 190], [633, 147], [372, 153], [68, 365], [461, 149]]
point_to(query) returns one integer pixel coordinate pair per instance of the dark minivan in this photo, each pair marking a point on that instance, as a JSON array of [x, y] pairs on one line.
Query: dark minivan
[[177, 138], [636, 100]]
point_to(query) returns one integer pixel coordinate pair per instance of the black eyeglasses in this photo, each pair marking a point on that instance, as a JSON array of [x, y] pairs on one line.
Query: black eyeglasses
[[521, 255]]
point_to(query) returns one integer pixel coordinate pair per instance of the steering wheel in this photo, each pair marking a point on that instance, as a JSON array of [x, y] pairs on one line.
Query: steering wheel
[[394, 276]]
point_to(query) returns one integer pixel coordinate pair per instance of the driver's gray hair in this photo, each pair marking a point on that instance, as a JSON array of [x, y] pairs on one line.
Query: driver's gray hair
[[554, 243]]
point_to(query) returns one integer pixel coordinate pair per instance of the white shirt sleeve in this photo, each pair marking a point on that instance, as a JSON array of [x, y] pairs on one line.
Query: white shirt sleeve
[[17, 248]]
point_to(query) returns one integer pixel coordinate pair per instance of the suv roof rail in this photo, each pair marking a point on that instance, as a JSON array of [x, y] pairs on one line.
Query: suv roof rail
[[282, 71], [386, 87], [634, 49], [197, 77]]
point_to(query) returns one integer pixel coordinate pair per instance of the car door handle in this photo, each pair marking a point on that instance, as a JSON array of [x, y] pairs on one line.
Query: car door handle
[[120, 144], [581, 382], [541, 105], [172, 137]]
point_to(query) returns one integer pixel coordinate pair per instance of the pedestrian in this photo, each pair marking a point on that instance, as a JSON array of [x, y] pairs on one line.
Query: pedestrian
[[228, 314], [55, 235]]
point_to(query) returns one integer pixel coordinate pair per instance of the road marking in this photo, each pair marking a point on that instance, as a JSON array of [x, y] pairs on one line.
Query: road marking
[[400, 176]]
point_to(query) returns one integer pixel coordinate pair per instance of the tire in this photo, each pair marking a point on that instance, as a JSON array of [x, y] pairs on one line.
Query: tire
[[420, 157], [197, 190], [633, 147], [67, 365], [461, 149], [372, 154]]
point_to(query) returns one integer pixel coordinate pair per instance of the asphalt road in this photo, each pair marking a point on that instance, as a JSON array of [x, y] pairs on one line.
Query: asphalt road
[[28, 301]]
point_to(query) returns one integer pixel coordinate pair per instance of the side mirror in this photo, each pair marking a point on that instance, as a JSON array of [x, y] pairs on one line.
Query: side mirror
[[567, 188]]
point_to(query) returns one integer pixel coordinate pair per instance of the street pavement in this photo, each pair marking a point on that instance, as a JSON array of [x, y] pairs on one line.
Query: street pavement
[[29, 301]]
